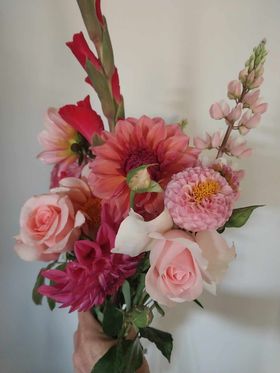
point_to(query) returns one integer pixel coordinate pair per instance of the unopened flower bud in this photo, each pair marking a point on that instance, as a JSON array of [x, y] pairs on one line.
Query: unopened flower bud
[[251, 98], [243, 75], [243, 130], [234, 89], [250, 78], [219, 110], [259, 107], [257, 82], [141, 180], [235, 113]]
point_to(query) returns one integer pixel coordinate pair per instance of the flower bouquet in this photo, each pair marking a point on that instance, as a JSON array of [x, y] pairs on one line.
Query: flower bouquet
[[134, 217]]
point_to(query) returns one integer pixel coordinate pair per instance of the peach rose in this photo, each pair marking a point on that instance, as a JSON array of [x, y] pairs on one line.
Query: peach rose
[[175, 274], [49, 225]]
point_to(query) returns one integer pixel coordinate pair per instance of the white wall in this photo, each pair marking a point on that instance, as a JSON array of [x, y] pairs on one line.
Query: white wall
[[175, 58]]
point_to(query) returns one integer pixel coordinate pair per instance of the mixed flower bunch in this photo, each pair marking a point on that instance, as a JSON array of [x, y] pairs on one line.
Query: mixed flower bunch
[[134, 217]]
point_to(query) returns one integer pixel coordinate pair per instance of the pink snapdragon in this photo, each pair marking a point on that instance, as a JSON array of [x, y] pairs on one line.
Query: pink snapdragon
[[234, 89], [219, 110]]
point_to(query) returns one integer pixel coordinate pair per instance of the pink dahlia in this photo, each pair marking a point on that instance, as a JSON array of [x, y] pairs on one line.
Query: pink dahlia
[[136, 142], [95, 274], [199, 199]]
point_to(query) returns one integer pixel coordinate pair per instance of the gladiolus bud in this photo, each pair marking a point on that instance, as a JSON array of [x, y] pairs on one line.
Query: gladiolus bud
[[251, 78], [234, 89], [219, 110]]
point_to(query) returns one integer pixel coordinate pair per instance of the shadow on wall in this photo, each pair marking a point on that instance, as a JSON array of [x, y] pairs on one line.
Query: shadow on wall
[[260, 312]]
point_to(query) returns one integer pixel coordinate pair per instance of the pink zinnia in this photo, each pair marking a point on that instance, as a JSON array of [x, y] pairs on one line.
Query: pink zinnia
[[136, 142], [95, 274], [199, 199]]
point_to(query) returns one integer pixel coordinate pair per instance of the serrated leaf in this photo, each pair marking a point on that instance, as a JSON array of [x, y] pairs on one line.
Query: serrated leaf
[[126, 294], [112, 320], [162, 340], [240, 216]]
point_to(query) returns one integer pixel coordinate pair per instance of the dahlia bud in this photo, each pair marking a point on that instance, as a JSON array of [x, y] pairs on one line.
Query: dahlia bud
[[234, 89], [140, 180], [219, 110]]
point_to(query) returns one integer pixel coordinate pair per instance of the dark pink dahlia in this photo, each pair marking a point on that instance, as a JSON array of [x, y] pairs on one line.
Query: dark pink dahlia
[[95, 274]]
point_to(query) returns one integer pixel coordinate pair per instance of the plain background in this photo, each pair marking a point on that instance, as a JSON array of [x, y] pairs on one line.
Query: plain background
[[175, 58]]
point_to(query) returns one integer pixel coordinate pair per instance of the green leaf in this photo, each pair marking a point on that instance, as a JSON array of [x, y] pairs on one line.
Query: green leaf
[[36, 297], [112, 321], [40, 280], [140, 288], [97, 313], [198, 303], [240, 216], [51, 304], [126, 294], [162, 340], [159, 309], [124, 357]]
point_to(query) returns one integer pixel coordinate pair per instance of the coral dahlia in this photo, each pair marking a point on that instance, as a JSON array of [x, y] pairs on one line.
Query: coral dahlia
[[199, 199], [137, 142]]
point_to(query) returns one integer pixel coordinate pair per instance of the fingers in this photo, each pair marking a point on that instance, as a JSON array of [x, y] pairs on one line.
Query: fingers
[[88, 322]]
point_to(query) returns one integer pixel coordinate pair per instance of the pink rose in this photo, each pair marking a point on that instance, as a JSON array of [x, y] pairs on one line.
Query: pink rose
[[49, 225], [175, 273]]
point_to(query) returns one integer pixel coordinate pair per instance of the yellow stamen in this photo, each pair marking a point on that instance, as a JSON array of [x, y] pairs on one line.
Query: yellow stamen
[[205, 189]]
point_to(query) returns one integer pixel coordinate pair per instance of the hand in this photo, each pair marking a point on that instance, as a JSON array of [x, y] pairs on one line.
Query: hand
[[90, 344]]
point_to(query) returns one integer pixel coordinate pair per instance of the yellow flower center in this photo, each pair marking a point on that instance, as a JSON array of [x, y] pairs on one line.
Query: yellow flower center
[[205, 189]]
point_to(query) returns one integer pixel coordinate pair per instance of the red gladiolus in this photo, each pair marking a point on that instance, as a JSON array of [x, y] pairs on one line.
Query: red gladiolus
[[82, 52], [83, 118], [116, 87], [98, 12]]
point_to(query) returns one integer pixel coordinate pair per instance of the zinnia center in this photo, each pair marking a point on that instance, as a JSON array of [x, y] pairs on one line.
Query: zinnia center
[[205, 189], [140, 157]]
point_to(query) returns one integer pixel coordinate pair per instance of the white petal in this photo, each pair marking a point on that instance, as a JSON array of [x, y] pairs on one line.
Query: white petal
[[133, 235]]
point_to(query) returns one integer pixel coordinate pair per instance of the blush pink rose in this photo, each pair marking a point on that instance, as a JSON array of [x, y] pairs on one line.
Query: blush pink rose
[[49, 225], [175, 275]]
